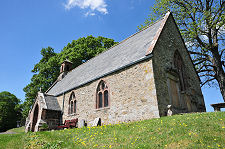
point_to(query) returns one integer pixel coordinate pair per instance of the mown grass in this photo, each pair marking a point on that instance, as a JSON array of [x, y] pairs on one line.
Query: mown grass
[[200, 130], [13, 141], [17, 130]]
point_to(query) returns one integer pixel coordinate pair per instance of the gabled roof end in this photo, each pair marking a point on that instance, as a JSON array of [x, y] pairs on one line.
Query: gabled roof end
[[153, 43]]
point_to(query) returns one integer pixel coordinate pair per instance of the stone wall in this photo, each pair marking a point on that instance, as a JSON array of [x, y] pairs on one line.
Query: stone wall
[[43, 116], [52, 118], [168, 42], [132, 97], [30, 125]]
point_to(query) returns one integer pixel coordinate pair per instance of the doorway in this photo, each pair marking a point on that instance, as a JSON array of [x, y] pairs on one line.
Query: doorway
[[35, 117]]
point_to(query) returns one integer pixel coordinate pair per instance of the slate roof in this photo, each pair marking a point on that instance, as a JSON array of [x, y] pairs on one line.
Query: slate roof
[[128, 51], [51, 103]]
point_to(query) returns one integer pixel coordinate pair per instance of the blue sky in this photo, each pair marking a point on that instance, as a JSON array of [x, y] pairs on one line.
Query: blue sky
[[27, 26]]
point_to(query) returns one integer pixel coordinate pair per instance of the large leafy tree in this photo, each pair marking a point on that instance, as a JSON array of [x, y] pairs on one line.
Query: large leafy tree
[[47, 70], [202, 25], [10, 111], [45, 73]]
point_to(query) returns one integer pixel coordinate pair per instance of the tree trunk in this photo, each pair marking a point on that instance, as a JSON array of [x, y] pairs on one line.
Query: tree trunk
[[219, 72], [221, 82]]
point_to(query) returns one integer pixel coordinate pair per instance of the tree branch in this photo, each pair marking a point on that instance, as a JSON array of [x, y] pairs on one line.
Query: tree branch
[[220, 10], [221, 53], [205, 70], [210, 75], [208, 57], [200, 61], [207, 81], [198, 53]]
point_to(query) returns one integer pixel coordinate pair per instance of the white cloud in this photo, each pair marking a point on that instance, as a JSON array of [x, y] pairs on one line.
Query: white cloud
[[93, 5], [89, 14]]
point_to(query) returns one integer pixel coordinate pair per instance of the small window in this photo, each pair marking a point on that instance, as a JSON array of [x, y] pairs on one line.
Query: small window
[[72, 104], [102, 95]]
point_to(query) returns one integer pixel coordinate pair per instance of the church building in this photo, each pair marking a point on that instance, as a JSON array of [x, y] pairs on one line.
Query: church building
[[137, 79]]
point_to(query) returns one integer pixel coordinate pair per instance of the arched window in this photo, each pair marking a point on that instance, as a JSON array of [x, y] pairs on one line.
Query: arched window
[[72, 104], [179, 65], [102, 95]]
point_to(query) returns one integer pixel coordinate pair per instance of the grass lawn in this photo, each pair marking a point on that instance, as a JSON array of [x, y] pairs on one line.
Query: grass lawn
[[13, 141], [199, 130], [17, 130]]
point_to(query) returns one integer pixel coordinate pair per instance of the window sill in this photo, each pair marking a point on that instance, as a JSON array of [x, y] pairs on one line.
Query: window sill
[[74, 114], [100, 109]]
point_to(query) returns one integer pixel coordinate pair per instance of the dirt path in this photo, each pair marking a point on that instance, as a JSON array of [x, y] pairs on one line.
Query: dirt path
[[8, 132]]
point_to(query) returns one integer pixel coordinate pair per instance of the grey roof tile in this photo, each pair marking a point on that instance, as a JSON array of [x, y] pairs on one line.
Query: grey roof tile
[[52, 103], [130, 50]]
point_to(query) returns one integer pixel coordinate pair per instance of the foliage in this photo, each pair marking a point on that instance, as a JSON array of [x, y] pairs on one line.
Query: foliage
[[10, 111], [202, 25], [44, 126], [199, 130], [83, 49], [45, 73], [47, 70]]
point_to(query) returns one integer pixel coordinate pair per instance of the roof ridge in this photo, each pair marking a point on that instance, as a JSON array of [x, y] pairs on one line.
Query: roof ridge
[[115, 45]]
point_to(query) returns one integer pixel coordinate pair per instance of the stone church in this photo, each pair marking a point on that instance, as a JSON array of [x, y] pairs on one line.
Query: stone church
[[134, 80]]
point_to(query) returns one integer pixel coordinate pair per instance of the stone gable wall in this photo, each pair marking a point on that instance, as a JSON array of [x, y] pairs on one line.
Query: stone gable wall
[[132, 97], [170, 41]]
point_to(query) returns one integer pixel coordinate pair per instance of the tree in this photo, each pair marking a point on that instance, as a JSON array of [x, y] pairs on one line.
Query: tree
[[46, 71], [202, 25], [83, 49], [10, 111]]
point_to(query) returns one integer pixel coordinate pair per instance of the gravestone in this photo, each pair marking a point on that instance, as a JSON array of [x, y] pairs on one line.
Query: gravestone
[[82, 123], [97, 122], [169, 112]]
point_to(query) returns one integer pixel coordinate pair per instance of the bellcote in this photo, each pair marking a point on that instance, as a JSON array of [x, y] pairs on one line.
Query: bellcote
[[66, 66]]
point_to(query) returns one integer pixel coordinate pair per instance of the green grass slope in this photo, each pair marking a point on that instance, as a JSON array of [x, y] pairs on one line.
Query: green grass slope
[[13, 141], [200, 130]]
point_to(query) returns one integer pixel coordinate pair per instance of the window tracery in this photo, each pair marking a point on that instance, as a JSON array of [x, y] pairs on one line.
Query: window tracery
[[179, 65], [102, 95], [72, 104]]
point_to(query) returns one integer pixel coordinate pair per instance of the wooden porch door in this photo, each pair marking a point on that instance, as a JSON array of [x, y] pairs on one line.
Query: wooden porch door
[[174, 93]]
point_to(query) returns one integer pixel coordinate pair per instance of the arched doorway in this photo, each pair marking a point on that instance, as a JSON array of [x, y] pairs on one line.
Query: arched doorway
[[35, 117]]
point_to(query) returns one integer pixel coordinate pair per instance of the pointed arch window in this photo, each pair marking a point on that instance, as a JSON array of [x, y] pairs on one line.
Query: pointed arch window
[[102, 95], [179, 65], [72, 104]]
